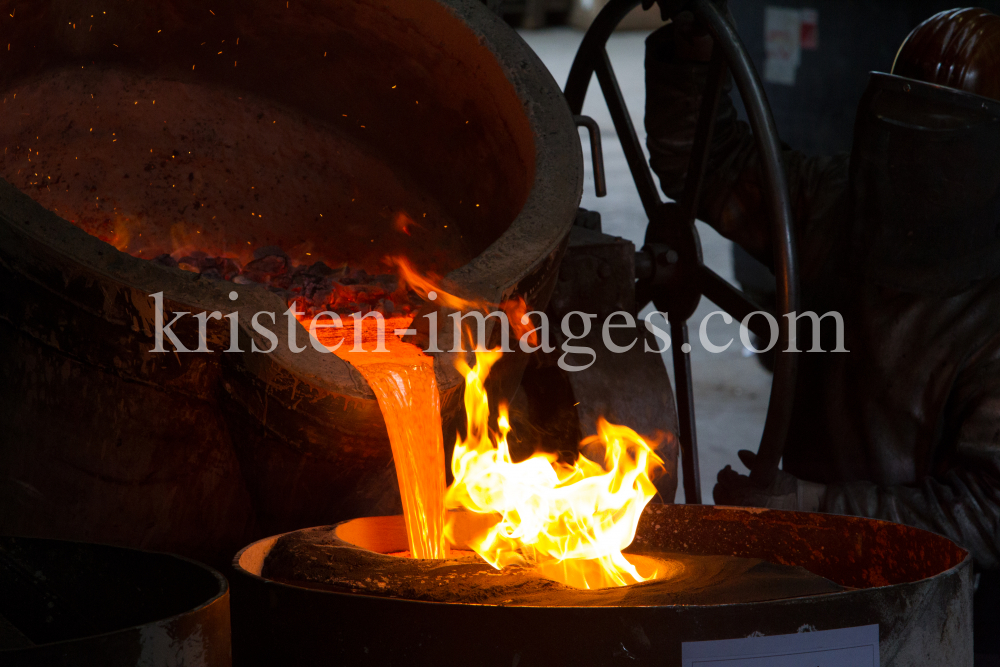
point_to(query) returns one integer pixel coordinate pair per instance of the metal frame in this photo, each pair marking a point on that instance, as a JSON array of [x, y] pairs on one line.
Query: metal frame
[[675, 275]]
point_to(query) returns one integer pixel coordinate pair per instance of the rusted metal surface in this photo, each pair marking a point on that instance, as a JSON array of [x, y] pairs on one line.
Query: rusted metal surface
[[102, 440], [852, 551], [916, 586], [71, 603]]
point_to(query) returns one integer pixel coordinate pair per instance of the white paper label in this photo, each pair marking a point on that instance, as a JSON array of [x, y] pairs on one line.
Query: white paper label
[[782, 44], [850, 647]]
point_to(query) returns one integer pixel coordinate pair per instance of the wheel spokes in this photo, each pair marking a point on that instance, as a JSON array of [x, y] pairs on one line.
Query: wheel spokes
[[733, 301], [675, 228], [779, 409], [702, 147], [593, 43], [634, 154]]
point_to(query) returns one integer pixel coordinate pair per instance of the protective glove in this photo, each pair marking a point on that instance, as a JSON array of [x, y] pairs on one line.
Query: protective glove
[[787, 492]]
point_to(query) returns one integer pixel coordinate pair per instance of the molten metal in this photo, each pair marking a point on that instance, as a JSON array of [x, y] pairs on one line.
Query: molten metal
[[571, 522]]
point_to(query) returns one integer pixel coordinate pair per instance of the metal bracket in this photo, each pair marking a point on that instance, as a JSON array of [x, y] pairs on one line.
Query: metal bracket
[[600, 184]]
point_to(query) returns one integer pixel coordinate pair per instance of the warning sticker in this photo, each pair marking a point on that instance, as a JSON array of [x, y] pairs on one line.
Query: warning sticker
[[782, 44]]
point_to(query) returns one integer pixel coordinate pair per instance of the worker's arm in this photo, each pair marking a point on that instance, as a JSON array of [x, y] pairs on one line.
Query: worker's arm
[[734, 196], [961, 501]]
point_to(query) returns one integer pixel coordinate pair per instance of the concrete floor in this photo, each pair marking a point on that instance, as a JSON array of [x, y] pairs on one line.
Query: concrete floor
[[731, 389]]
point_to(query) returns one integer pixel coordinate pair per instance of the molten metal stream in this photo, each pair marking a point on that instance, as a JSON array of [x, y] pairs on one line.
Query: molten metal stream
[[404, 384], [569, 521]]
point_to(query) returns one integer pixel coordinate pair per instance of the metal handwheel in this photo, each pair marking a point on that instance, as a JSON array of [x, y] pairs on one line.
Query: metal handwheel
[[670, 269]]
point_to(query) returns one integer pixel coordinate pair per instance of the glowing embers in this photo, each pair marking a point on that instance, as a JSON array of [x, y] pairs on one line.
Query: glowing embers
[[309, 283], [214, 170], [570, 522]]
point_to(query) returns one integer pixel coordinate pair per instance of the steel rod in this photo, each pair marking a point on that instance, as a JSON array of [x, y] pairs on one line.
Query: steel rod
[[685, 413]]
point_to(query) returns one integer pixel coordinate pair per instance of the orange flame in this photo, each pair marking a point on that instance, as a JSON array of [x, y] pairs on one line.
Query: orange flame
[[425, 284], [571, 522], [184, 239], [122, 234], [515, 308], [405, 223], [517, 311]]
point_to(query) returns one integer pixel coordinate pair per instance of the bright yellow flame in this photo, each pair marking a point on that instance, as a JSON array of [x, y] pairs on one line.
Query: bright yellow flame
[[571, 522]]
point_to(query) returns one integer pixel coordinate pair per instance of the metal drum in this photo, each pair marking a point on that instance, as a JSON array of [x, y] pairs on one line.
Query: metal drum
[[71, 603], [916, 586]]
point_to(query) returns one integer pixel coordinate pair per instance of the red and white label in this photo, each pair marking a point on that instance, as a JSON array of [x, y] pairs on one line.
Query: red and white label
[[809, 40]]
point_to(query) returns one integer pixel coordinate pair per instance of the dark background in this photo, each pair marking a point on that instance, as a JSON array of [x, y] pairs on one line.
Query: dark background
[[816, 115]]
